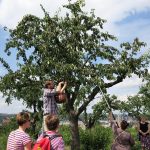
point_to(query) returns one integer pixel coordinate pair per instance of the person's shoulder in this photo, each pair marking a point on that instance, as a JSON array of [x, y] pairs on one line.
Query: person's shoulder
[[127, 132], [23, 134], [53, 134], [12, 133], [119, 130], [45, 89]]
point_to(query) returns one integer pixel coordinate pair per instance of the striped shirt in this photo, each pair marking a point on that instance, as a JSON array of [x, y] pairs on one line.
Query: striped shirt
[[17, 140], [56, 143], [49, 103]]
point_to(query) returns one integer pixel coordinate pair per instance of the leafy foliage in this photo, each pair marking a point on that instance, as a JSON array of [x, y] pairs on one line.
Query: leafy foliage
[[140, 103], [97, 138], [134, 106], [73, 47]]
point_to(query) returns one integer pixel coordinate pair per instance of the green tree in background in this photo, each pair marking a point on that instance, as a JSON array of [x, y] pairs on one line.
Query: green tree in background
[[134, 106], [101, 109], [145, 92], [73, 47], [140, 103]]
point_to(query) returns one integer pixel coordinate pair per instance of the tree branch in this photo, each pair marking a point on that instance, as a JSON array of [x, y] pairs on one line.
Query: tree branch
[[96, 90]]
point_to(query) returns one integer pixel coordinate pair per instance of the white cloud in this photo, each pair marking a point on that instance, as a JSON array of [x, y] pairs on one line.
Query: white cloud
[[112, 10], [13, 11], [129, 82], [116, 10], [124, 97], [15, 107]]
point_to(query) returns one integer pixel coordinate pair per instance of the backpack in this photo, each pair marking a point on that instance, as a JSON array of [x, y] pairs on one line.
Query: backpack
[[44, 143]]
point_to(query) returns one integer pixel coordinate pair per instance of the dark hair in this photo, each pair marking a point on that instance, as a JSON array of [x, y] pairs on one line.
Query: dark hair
[[124, 124], [52, 122], [22, 118]]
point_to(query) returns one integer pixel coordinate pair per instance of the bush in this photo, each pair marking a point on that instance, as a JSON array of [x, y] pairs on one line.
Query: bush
[[137, 145], [96, 138], [65, 131], [5, 130]]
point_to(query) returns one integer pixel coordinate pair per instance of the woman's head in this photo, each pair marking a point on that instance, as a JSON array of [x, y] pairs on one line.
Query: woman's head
[[124, 124], [143, 118], [49, 84], [52, 122], [22, 118]]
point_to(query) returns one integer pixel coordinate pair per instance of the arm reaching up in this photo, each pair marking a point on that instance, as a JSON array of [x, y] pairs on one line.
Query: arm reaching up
[[61, 86]]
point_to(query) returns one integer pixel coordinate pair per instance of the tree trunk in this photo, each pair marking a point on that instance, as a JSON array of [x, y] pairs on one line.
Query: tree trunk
[[75, 144]]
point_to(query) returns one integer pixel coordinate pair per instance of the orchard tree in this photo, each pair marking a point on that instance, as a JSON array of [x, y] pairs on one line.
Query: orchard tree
[[72, 47], [145, 89], [140, 103], [134, 106], [145, 92], [101, 109]]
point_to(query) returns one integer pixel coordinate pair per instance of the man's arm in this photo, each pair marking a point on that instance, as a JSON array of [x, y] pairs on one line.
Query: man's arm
[[60, 88]]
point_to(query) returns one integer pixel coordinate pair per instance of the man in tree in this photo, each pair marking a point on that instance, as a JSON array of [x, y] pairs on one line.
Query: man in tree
[[49, 98]]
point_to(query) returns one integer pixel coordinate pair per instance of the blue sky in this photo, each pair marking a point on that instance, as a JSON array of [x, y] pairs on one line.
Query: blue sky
[[125, 19]]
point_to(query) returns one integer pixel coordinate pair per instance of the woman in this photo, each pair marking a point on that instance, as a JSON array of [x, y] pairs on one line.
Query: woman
[[19, 139], [144, 132], [123, 139]]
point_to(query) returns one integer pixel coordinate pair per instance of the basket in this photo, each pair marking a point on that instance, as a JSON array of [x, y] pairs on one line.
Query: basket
[[61, 98]]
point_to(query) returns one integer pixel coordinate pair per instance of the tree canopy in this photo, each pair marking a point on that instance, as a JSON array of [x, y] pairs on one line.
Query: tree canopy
[[74, 48]]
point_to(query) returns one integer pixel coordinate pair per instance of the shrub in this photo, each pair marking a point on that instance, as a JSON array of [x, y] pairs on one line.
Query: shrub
[[5, 130], [137, 145], [66, 132], [96, 138]]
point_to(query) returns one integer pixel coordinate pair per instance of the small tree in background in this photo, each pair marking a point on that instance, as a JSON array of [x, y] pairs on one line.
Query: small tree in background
[[140, 103]]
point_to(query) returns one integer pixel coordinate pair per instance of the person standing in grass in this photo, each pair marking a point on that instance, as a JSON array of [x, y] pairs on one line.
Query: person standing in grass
[[19, 139], [122, 139], [144, 132]]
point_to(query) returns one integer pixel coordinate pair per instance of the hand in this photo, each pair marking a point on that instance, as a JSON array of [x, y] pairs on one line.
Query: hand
[[62, 82], [143, 134], [65, 83]]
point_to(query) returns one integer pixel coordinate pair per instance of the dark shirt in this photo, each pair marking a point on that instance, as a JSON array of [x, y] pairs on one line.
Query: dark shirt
[[144, 127]]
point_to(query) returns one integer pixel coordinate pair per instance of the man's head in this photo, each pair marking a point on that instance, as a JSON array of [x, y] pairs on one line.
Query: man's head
[[52, 122], [49, 84]]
